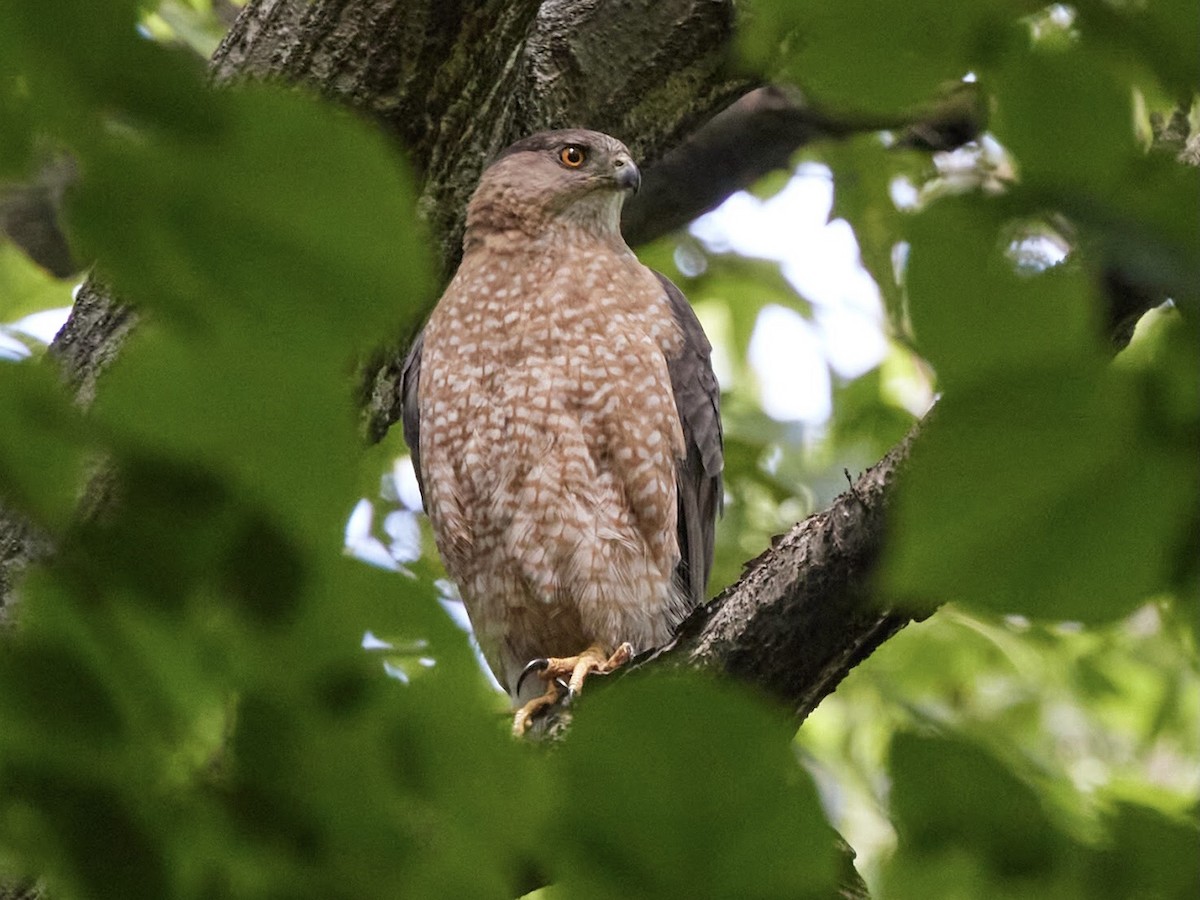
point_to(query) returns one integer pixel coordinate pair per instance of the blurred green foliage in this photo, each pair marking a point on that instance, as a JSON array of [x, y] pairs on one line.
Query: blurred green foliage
[[1050, 483], [187, 711], [25, 288]]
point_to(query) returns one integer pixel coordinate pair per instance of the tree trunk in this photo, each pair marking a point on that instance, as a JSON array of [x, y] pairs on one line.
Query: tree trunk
[[456, 82]]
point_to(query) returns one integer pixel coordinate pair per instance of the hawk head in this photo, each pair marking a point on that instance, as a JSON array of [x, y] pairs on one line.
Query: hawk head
[[574, 177]]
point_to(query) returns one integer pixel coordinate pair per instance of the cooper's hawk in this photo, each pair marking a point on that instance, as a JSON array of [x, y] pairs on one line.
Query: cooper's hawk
[[561, 410]]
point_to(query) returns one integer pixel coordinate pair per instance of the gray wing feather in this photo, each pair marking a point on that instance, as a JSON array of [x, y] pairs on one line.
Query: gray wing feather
[[698, 476], [410, 415]]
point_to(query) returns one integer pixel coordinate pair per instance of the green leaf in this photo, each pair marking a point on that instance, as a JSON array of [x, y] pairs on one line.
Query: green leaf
[[118, 856], [25, 288], [1147, 854], [744, 285], [42, 444], [1161, 36], [1066, 117], [273, 250], [17, 135], [74, 88], [279, 204], [57, 696], [952, 802], [969, 827], [661, 804], [1037, 494], [1066, 113], [866, 417], [1044, 485], [866, 57], [237, 408], [975, 317]]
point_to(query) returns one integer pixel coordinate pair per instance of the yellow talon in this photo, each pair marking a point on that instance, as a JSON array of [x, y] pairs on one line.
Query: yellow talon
[[594, 659]]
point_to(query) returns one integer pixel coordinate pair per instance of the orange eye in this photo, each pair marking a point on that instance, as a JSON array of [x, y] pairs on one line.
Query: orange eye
[[572, 155]]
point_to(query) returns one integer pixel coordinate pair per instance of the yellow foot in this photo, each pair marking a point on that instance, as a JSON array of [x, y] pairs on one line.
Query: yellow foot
[[535, 707], [554, 669]]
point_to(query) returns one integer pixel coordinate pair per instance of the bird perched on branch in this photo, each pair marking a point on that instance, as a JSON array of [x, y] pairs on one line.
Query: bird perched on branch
[[562, 414]]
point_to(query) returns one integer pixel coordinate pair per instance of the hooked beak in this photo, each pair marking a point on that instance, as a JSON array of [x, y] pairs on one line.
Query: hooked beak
[[626, 174]]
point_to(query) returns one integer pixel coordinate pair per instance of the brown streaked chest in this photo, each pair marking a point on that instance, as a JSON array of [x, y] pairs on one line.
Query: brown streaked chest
[[557, 330]]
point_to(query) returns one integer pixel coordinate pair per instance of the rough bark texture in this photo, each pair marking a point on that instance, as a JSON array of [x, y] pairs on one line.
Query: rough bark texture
[[804, 613], [84, 347], [456, 82], [91, 339], [20, 545]]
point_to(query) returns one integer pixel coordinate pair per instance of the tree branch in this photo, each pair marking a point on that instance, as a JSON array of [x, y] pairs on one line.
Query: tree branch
[[805, 612], [29, 215], [456, 82], [760, 133]]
